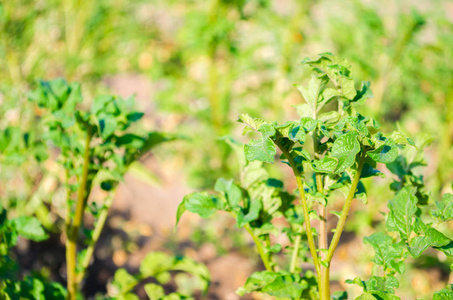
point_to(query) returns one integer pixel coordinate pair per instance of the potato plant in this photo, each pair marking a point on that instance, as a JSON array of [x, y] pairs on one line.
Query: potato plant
[[331, 149], [95, 148]]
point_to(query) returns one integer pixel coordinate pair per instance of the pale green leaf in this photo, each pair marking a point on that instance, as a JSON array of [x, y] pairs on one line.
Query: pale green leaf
[[154, 291]]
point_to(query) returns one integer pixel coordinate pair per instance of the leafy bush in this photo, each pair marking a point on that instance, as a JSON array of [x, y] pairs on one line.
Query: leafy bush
[[330, 149]]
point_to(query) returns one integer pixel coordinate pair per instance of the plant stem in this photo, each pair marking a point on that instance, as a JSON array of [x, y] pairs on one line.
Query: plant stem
[[324, 290], [324, 284], [322, 210], [259, 246], [346, 207], [303, 200], [96, 234], [295, 254], [270, 255], [73, 230]]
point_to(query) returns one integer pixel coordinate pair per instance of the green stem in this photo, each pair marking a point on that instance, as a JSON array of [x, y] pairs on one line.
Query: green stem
[[270, 255], [259, 246], [96, 234], [346, 207], [303, 200], [68, 207], [295, 255], [73, 230], [324, 290], [322, 210], [324, 278]]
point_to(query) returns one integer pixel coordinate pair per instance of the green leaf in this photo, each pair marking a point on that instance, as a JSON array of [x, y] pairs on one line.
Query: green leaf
[[386, 252], [262, 149], [232, 192], [327, 95], [381, 284], [308, 123], [345, 148], [252, 123], [340, 295], [30, 228], [155, 263], [202, 204], [369, 171], [32, 288], [154, 291], [107, 126], [364, 93], [311, 94], [172, 296], [188, 265], [447, 249], [443, 294], [432, 238], [385, 153], [402, 212], [141, 172], [400, 138], [275, 284], [329, 117], [250, 215], [338, 70], [304, 110], [237, 148], [124, 281], [444, 210], [377, 296], [325, 165], [181, 210]]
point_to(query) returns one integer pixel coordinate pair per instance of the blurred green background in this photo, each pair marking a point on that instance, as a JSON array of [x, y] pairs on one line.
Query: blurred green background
[[195, 65]]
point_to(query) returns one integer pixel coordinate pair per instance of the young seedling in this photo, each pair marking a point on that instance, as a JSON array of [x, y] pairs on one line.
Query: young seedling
[[330, 148], [95, 148]]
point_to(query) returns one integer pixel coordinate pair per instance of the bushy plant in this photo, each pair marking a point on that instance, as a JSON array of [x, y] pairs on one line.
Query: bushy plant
[[330, 149]]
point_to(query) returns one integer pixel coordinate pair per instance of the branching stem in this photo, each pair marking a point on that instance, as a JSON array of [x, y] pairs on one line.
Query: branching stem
[[259, 246], [303, 200], [347, 205], [96, 234]]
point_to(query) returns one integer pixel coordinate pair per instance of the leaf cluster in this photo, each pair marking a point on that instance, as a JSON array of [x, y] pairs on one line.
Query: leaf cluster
[[31, 286], [161, 266]]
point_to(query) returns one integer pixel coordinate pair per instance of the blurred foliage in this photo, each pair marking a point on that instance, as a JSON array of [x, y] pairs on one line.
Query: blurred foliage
[[160, 265], [205, 61]]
